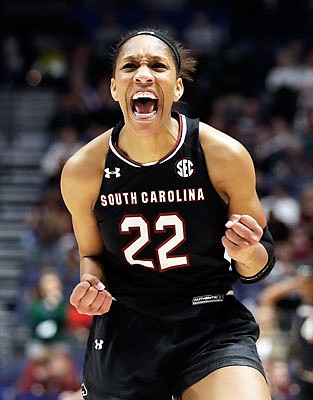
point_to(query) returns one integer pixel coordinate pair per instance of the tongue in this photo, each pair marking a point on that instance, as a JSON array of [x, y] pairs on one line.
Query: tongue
[[146, 108]]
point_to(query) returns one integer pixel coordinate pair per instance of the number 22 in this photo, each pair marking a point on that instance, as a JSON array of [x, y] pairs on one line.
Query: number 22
[[162, 223]]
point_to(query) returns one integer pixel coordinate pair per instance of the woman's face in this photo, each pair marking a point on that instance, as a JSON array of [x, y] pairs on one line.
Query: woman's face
[[145, 82]]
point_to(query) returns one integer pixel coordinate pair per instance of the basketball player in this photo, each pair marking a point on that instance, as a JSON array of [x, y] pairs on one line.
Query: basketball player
[[160, 204]]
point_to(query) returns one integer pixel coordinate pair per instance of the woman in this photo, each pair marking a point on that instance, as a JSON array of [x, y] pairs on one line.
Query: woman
[[155, 203]]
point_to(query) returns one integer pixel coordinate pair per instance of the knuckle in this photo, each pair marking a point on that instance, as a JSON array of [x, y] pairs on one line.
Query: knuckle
[[80, 310], [92, 290]]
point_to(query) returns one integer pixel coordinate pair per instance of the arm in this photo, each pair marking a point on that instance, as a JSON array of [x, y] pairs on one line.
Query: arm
[[232, 173], [80, 183], [277, 291]]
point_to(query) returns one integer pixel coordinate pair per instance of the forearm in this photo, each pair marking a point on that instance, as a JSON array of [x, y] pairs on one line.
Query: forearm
[[93, 266], [91, 296], [256, 262], [259, 262]]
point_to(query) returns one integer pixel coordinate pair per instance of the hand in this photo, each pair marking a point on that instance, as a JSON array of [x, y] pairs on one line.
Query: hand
[[69, 395], [242, 237], [90, 297]]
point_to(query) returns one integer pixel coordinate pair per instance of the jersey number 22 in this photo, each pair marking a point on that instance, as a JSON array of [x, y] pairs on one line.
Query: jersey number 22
[[164, 222]]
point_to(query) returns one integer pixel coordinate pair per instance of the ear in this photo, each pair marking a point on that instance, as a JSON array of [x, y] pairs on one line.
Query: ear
[[113, 89], [179, 89]]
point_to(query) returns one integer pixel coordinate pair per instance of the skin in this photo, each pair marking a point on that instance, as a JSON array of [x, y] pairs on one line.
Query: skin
[[146, 64]]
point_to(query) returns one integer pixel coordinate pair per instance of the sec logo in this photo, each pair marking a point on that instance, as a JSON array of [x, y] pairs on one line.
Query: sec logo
[[184, 168]]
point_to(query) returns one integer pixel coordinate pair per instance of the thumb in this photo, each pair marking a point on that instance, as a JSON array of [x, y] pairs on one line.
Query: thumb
[[93, 281]]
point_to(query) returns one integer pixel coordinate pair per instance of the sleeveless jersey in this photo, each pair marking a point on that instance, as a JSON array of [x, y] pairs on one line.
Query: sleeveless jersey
[[162, 224]]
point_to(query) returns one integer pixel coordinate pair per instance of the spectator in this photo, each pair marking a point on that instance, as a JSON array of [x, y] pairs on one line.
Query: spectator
[[47, 310], [304, 127], [45, 225], [282, 84], [280, 380], [13, 64], [202, 35], [284, 206], [285, 72], [302, 245], [306, 81], [105, 35], [300, 289], [306, 203], [46, 375], [62, 147]]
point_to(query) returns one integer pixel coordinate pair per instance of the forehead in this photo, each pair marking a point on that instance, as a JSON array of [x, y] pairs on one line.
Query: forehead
[[145, 46]]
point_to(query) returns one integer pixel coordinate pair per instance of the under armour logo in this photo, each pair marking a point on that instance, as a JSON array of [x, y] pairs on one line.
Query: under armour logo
[[84, 390], [98, 344], [108, 173]]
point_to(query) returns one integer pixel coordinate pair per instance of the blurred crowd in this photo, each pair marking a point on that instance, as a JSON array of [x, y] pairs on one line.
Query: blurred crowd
[[254, 81]]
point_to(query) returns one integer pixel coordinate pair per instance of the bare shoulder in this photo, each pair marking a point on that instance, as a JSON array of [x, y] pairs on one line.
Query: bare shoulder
[[89, 159], [228, 161], [82, 173], [220, 145]]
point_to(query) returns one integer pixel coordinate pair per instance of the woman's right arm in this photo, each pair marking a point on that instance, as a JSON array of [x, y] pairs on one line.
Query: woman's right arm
[[80, 183]]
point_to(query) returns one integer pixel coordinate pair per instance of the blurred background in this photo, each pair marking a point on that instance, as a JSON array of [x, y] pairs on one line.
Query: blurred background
[[254, 81]]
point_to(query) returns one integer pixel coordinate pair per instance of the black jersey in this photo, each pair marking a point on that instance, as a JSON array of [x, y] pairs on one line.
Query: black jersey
[[162, 224]]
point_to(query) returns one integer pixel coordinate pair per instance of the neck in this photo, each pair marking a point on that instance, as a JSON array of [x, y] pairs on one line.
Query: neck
[[144, 148]]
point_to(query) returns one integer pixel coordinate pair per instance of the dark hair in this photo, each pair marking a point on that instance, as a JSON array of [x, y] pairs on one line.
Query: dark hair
[[185, 63]]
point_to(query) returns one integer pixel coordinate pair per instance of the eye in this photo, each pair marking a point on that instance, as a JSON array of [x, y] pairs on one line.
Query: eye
[[159, 65], [129, 65]]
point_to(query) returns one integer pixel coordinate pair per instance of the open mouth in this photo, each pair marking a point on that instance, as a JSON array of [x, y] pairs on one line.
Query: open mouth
[[144, 105]]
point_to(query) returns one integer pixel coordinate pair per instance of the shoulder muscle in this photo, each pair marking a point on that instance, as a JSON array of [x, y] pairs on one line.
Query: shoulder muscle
[[82, 173], [232, 172], [227, 159]]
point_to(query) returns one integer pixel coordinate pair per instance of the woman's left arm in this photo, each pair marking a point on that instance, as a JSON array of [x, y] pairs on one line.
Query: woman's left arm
[[246, 239]]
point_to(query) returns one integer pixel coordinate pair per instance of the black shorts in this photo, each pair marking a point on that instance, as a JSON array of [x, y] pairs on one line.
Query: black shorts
[[132, 356]]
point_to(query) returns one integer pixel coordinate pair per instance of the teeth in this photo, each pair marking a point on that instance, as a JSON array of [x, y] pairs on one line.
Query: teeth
[[150, 115], [140, 95]]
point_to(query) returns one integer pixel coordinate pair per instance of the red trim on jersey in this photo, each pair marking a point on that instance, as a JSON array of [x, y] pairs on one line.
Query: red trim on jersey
[[179, 136]]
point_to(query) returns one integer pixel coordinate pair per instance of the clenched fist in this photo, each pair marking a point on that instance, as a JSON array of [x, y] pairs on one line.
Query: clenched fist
[[90, 297], [241, 238]]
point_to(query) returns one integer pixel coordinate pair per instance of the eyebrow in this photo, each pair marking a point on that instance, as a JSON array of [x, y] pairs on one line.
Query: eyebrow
[[149, 56]]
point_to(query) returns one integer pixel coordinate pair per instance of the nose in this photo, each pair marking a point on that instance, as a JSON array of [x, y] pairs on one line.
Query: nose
[[143, 75]]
